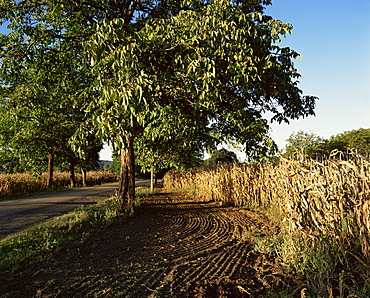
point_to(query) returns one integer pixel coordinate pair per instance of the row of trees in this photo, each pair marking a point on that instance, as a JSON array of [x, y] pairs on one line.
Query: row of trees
[[313, 145], [35, 133], [158, 80], [309, 144]]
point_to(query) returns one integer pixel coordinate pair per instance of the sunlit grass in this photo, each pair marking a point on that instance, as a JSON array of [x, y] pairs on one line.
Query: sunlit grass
[[327, 271], [60, 234]]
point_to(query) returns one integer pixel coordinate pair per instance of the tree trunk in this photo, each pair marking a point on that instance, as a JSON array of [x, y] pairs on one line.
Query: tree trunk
[[72, 177], [126, 190], [83, 171], [50, 170], [152, 181]]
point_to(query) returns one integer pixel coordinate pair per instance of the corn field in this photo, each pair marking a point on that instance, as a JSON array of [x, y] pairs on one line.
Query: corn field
[[25, 183], [317, 198]]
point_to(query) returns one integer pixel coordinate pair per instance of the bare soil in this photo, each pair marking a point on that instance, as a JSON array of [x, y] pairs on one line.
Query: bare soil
[[175, 245]]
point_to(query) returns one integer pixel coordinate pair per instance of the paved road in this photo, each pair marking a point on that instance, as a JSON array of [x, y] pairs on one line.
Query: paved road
[[19, 214]]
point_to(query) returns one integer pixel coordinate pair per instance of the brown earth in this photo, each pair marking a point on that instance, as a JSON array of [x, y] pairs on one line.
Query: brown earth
[[175, 245]]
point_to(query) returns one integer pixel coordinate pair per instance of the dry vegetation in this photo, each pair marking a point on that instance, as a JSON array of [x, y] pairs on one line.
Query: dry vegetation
[[324, 203], [26, 183]]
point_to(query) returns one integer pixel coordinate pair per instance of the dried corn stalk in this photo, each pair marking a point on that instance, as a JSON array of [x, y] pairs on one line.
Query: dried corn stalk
[[330, 198]]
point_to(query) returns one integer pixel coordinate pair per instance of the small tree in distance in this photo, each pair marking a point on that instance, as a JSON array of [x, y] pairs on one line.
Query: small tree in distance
[[221, 156], [307, 143]]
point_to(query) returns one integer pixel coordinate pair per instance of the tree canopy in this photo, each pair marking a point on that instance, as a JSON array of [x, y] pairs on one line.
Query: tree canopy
[[216, 66], [313, 145], [221, 156], [41, 74], [358, 140], [193, 73], [307, 143]]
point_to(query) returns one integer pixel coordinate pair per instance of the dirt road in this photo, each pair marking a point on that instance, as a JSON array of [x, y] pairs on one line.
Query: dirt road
[[174, 246], [19, 214]]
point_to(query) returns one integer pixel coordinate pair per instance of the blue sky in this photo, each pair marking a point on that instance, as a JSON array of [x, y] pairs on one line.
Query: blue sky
[[333, 37]]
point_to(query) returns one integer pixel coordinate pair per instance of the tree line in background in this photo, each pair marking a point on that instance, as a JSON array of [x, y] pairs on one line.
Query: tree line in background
[[308, 144], [160, 81], [315, 146]]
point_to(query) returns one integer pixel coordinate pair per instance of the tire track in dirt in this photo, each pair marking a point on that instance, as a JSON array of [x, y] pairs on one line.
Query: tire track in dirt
[[176, 245]]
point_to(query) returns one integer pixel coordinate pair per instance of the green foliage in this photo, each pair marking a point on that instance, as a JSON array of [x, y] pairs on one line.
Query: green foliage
[[41, 73], [208, 74], [355, 139], [197, 72], [319, 261], [65, 232], [307, 143], [106, 165], [143, 191], [215, 75], [9, 162], [221, 156], [313, 145], [27, 248], [176, 153]]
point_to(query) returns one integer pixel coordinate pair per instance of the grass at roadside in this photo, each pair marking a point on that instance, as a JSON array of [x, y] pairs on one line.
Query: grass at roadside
[[25, 249], [329, 270]]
